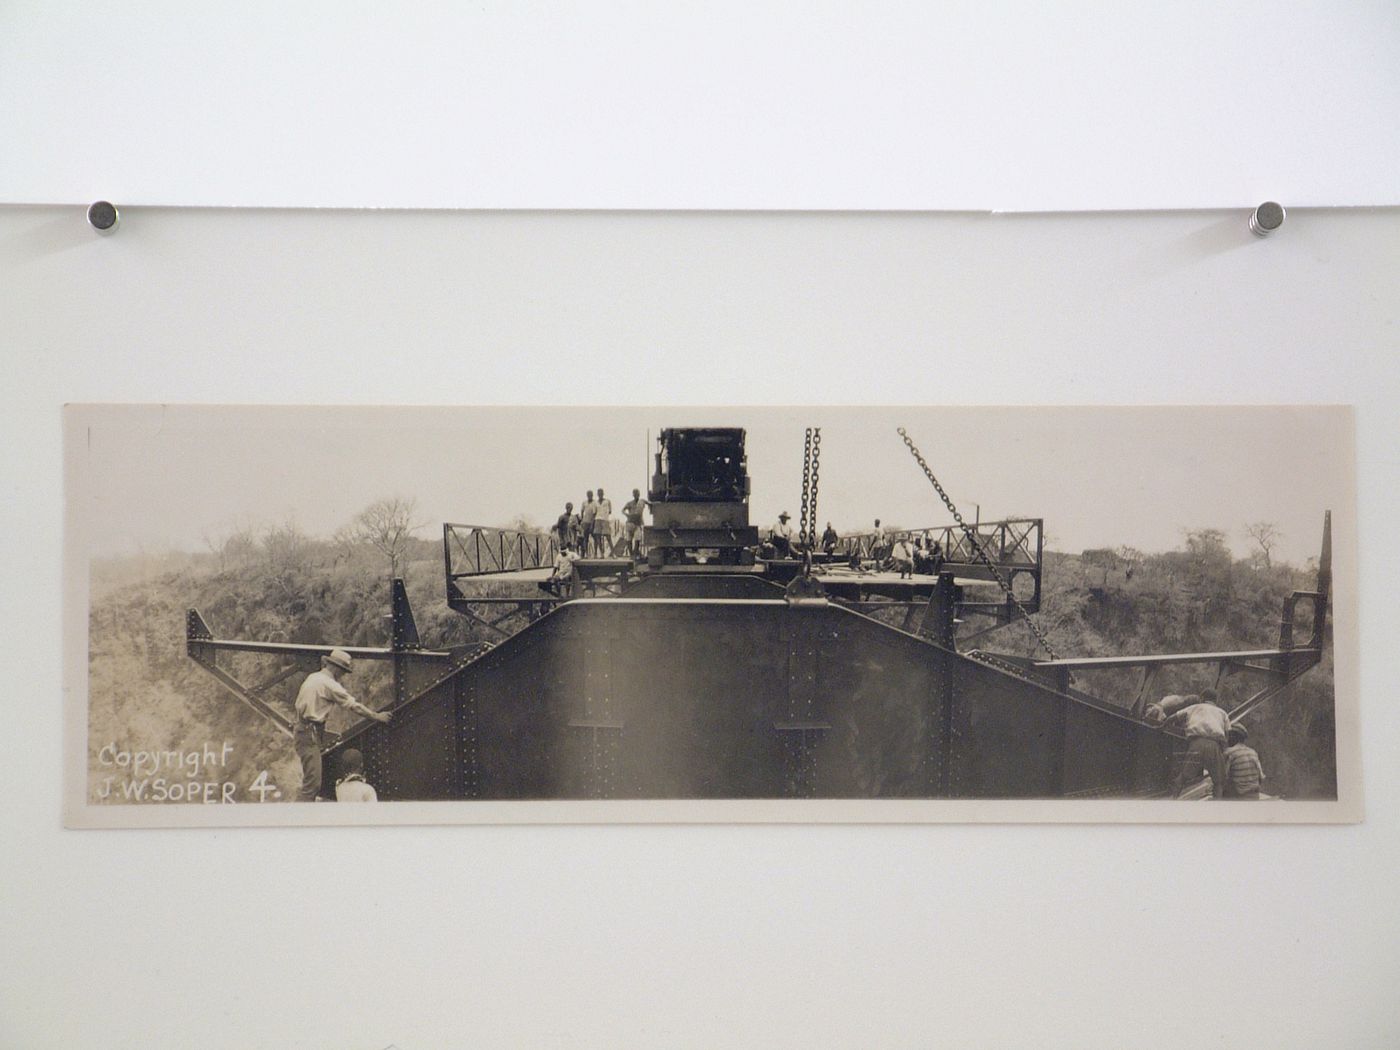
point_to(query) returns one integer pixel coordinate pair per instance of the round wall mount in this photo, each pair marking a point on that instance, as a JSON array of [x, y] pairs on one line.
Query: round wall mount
[[1267, 218], [103, 216]]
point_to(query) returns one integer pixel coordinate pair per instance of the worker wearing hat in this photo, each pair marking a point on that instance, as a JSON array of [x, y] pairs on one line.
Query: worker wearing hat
[[782, 535], [1205, 725], [317, 694]]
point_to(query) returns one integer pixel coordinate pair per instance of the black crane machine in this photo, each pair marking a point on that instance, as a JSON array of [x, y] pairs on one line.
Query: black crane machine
[[700, 502]]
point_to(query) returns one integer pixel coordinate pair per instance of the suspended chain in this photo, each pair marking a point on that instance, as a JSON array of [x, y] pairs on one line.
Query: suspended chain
[[971, 535], [811, 537], [806, 487]]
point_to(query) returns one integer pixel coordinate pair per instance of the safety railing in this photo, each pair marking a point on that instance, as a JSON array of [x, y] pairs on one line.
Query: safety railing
[[1016, 543], [479, 550]]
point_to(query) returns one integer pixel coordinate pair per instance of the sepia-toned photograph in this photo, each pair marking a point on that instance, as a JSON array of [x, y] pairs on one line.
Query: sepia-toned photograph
[[696, 614]]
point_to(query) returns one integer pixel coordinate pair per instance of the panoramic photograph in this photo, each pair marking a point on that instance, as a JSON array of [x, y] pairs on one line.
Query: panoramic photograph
[[295, 606]]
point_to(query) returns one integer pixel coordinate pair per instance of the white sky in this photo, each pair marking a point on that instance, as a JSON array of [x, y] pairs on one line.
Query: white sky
[[155, 478]]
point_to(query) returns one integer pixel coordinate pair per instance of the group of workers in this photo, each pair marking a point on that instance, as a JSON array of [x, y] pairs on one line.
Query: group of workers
[[1215, 747], [920, 555], [592, 531], [589, 529]]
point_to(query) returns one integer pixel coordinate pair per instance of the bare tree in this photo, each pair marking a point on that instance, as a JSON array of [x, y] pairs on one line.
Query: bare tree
[[1267, 535], [387, 525]]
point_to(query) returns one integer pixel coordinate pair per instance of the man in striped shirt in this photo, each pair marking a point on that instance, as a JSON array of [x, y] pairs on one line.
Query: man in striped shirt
[[1243, 772]]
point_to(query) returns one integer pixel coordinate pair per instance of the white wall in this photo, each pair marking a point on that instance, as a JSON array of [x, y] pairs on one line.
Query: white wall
[[970, 104], [1074, 936]]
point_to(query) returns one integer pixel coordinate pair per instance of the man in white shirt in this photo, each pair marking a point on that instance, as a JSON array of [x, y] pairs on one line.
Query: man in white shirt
[[561, 581], [782, 536], [318, 694], [634, 510], [602, 525], [902, 557], [1207, 727], [878, 553], [588, 516]]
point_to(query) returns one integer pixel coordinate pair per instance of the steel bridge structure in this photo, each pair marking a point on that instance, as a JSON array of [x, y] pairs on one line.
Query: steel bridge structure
[[732, 685]]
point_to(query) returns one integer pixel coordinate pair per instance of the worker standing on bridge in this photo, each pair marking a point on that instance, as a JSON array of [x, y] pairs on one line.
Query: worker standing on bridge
[[602, 525], [633, 511], [567, 527], [902, 557], [588, 517], [318, 692], [829, 539]]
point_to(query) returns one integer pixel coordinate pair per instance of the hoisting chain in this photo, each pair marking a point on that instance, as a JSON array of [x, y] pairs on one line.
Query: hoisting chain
[[806, 487], [982, 556], [811, 474]]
